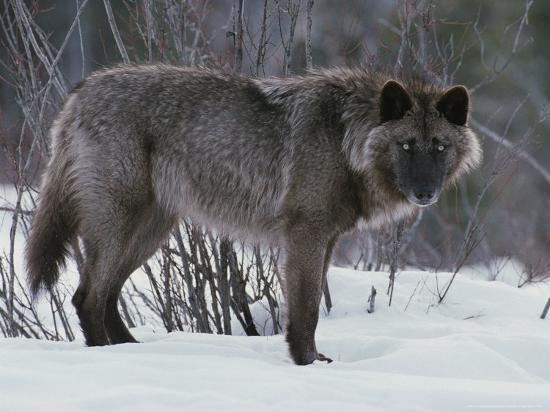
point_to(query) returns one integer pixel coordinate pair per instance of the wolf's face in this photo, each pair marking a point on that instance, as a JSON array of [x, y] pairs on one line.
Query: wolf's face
[[422, 144]]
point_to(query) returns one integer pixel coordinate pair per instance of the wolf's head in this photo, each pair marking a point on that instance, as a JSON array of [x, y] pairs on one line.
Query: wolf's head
[[419, 144]]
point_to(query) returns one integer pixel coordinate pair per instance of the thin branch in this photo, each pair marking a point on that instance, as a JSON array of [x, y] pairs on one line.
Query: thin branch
[[545, 310], [309, 17], [522, 154], [116, 33], [239, 38]]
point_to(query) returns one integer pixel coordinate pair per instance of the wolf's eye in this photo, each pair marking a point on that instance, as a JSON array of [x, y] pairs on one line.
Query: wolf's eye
[[440, 148], [406, 147]]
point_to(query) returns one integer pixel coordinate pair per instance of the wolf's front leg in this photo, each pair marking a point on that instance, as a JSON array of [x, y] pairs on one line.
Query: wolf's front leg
[[304, 279]]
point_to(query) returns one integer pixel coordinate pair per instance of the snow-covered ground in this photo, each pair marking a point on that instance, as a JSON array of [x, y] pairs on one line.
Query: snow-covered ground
[[484, 349]]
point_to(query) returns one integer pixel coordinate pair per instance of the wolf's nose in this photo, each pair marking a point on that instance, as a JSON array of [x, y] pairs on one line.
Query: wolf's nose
[[424, 195]]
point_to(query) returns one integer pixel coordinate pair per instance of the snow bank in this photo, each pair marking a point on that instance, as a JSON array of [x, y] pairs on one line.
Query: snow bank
[[485, 349]]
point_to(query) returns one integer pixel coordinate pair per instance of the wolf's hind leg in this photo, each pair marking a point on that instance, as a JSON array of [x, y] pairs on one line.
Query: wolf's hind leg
[[96, 299], [116, 328], [89, 299], [145, 232], [105, 269]]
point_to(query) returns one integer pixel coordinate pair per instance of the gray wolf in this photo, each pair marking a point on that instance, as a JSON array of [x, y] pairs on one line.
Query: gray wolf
[[292, 162]]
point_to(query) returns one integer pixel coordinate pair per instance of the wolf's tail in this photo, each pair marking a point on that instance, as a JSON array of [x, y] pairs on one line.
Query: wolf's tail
[[54, 224]]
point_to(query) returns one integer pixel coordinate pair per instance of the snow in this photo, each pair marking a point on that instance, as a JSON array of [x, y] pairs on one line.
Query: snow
[[484, 348]]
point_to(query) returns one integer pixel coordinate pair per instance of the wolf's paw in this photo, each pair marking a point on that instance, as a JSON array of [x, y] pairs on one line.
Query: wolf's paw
[[323, 358], [310, 357]]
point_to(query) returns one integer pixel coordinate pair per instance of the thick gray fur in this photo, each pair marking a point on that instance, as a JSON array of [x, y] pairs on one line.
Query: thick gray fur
[[291, 162]]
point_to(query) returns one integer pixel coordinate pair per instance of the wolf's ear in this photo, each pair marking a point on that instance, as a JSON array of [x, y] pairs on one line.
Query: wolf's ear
[[394, 101], [455, 105]]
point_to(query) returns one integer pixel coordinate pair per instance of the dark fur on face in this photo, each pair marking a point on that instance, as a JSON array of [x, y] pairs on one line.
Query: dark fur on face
[[421, 143]]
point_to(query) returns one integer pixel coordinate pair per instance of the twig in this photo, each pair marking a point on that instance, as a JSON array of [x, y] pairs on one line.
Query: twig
[[239, 38], [522, 154], [262, 44], [309, 10], [396, 241], [371, 300], [545, 310], [116, 33]]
